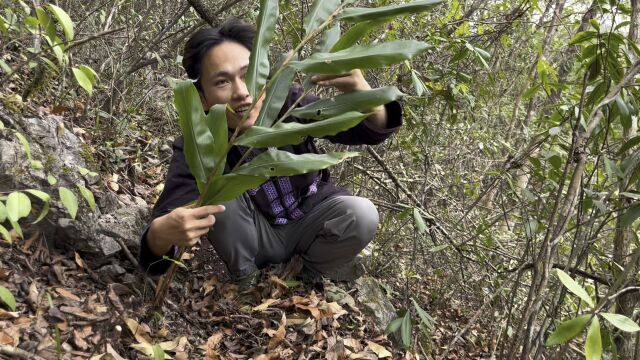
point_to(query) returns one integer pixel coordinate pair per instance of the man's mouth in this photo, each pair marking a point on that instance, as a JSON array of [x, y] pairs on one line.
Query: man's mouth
[[242, 110]]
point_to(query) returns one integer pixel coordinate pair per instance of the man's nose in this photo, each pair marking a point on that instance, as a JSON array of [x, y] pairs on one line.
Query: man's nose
[[240, 91]]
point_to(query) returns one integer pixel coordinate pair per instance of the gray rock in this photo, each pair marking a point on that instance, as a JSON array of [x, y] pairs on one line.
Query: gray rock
[[112, 270], [375, 302], [93, 235]]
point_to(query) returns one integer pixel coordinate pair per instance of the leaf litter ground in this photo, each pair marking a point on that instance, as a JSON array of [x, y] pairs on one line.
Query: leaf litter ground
[[66, 310]]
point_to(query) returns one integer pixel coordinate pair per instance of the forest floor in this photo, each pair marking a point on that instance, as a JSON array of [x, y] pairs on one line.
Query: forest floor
[[66, 310]]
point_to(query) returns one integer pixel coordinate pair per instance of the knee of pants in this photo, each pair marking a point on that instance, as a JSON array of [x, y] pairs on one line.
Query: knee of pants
[[367, 219]]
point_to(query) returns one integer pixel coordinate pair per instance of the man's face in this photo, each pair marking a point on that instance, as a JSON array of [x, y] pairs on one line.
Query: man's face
[[223, 82]]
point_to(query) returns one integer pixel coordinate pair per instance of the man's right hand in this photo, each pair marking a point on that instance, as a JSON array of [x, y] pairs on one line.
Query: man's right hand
[[181, 227]]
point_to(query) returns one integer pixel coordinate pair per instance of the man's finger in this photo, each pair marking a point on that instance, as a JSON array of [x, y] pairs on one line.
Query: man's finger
[[203, 224], [207, 210]]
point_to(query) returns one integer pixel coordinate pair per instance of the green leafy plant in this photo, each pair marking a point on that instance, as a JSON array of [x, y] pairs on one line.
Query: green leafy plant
[[206, 141], [569, 329], [405, 324], [7, 298]]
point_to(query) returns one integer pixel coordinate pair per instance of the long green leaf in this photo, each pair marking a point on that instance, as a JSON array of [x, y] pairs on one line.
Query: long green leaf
[[69, 200], [199, 148], [329, 38], [405, 330], [629, 144], [25, 144], [356, 101], [365, 14], [621, 322], [319, 12], [46, 23], [393, 326], [426, 319], [5, 234], [574, 287], [357, 32], [230, 186], [361, 57], [43, 213], [630, 215], [88, 196], [568, 330], [294, 133], [593, 345], [17, 228], [216, 121], [64, 20], [419, 221], [3, 213], [275, 97], [39, 194], [18, 206], [259, 59], [7, 298], [282, 163], [83, 80]]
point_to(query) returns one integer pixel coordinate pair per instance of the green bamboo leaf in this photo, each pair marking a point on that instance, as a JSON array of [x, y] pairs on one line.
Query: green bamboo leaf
[[582, 37], [39, 194], [568, 330], [5, 234], [69, 200], [18, 206], [405, 330], [574, 287], [630, 215], [259, 59], [418, 84], [356, 101], [593, 345], [625, 114], [364, 14], [621, 322], [25, 144], [283, 163], [229, 186], [46, 22], [329, 38], [88, 195], [64, 20], [89, 73], [419, 221], [3, 213], [357, 32], [426, 319], [319, 12], [294, 133], [43, 213], [275, 97], [630, 144], [393, 326], [7, 298], [18, 229], [216, 121], [361, 57], [83, 80], [199, 148]]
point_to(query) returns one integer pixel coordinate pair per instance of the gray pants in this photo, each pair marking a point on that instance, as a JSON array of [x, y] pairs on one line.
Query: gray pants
[[328, 236]]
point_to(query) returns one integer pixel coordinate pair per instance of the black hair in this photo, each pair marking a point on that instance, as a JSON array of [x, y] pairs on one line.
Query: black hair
[[205, 39]]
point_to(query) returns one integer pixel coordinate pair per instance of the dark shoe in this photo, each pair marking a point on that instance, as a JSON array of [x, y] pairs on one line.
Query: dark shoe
[[350, 271], [248, 282]]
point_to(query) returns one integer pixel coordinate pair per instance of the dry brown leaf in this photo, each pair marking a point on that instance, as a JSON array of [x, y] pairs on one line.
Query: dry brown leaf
[[33, 295], [6, 339], [380, 350], [211, 346], [269, 356], [79, 260], [335, 349], [113, 353], [79, 340], [141, 333], [8, 315], [27, 245], [265, 305], [296, 319], [315, 312], [75, 311], [210, 284], [278, 336], [67, 294]]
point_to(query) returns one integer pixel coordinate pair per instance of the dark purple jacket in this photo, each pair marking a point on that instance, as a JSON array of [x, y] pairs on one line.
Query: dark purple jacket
[[180, 186]]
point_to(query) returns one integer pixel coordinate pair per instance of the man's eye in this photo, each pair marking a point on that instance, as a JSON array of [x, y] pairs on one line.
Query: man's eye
[[220, 82]]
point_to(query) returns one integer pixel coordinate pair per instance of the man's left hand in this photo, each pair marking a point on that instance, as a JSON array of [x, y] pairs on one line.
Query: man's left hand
[[350, 82]]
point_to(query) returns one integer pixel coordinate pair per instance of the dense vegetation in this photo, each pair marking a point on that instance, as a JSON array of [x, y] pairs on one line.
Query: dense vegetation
[[510, 195]]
